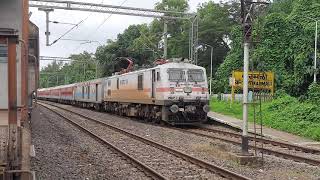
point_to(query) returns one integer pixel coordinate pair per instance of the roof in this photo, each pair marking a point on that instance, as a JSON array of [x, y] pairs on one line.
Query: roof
[[166, 65]]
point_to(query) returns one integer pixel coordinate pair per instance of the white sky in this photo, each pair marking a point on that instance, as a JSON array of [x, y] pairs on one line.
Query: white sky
[[88, 30]]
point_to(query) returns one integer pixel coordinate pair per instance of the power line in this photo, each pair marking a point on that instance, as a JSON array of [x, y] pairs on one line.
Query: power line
[[105, 20], [108, 17], [67, 32], [73, 27]]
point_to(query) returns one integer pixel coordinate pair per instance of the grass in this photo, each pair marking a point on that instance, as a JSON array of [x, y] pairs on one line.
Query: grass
[[284, 113], [231, 109]]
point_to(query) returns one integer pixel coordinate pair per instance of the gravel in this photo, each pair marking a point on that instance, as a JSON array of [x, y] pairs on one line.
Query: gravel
[[211, 150], [259, 145], [64, 152], [163, 162]]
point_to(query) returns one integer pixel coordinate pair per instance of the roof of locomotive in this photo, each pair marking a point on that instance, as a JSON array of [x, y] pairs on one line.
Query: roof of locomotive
[[181, 65]]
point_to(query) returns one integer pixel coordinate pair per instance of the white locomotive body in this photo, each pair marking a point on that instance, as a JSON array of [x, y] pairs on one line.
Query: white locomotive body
[[176, 93]]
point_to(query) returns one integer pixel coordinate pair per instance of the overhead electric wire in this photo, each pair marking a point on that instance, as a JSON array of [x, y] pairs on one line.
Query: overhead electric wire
[[76, 25], [109, 16], [105, 20], [67, 32]]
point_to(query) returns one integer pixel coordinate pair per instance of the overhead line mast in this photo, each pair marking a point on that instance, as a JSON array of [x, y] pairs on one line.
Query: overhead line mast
[[123, 10]]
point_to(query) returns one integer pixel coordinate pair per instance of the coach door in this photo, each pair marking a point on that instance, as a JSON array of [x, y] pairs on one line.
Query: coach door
[[88, 90], [97, 92], [153, 86]]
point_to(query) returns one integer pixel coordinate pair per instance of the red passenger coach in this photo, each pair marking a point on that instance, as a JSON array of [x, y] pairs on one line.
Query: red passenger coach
[[66, 93], [55, 93]]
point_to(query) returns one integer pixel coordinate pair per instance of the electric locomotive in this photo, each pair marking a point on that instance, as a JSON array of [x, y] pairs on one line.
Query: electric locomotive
[[173, 92]]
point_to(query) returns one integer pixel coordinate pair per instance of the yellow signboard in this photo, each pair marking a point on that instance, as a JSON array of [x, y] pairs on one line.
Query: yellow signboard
[[257, 80]]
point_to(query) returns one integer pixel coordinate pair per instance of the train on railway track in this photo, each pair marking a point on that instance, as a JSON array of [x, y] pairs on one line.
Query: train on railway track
[[175, 92]]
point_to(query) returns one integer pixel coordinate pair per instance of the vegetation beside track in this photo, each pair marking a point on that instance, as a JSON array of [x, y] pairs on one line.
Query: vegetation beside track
[[284, 113]]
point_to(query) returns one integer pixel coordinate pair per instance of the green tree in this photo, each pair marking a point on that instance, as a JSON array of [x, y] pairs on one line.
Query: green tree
[[286, 46], [216, 24], [81, 68]]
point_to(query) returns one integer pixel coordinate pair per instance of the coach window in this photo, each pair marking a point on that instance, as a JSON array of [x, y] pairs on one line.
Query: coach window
[[88, 91], [82, 92], [140, 82], [158, 76], [118, 83]]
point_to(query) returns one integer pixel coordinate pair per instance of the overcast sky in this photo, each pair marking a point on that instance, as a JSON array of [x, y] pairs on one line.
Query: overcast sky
[[88, 29]]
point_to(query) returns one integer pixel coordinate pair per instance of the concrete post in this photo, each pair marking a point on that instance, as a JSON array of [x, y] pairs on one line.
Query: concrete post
[[315, 54], [211, 71], [47, 33], [165, 39], [245, 98]]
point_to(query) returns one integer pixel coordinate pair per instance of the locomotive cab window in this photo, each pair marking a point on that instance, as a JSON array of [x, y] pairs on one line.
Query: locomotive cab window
[[158, 76], [140, 82], [195, 75], [176, 75]]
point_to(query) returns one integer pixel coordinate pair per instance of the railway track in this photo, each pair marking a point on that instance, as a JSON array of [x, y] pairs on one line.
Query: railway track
[[161, 156], [266, 141], [146, 169], [236, 139]]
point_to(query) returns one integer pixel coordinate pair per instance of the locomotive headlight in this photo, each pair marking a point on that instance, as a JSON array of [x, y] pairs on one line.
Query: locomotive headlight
[[174, 108], [206, 108], [187, 89]]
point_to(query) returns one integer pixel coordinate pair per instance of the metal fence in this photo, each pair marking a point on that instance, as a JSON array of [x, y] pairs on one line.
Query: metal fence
[[238, 97]]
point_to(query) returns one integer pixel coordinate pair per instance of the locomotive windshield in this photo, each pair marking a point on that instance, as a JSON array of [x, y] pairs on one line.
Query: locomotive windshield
[[195, 75], [176, 74]]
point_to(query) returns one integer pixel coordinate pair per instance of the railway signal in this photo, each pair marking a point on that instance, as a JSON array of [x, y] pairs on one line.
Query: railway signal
[[247, 10]]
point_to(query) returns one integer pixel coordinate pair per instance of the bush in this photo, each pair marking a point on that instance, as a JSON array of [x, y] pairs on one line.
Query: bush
[[285, 113], [314, 93]]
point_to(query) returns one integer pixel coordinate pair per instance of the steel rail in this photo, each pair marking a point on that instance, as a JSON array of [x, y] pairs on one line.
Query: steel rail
[[266, 141], [204, 164], [267, 151], [146, 168]]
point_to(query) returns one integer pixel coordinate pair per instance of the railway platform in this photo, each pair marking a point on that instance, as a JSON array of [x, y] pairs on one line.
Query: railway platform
[[268, 132]]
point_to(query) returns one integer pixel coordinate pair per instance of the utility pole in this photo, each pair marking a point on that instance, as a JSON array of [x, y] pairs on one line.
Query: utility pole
[[47, 33], [84, 71], [315, 54], [211, 66], [165, 39], [247, 8], [247, 28]]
